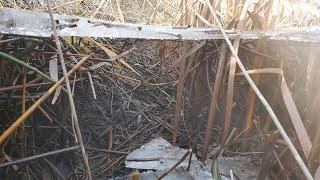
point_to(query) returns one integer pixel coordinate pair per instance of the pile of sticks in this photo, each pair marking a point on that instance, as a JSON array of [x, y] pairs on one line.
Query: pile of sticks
[[75, 107], [83, 124]]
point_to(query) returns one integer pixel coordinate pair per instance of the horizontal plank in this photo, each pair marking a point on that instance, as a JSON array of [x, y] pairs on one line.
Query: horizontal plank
[[37, 24]]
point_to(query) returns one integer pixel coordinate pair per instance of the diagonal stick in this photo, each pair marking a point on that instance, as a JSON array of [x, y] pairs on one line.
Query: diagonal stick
[[73, 109]]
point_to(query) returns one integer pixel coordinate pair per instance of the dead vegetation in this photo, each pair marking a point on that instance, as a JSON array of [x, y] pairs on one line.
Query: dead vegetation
[[127, 92]]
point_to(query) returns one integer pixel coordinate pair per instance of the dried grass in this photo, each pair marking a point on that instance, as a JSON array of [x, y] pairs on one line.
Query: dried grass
[[171, 12]]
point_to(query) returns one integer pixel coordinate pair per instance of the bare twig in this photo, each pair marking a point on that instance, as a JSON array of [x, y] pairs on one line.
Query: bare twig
[[92, 86], [214, 100], [65, 74], [38, 156]]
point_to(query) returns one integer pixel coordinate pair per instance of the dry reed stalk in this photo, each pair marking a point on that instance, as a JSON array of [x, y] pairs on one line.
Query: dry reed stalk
[[229, 103], [291, 107], [177, 114], [296, 119], [232, 70], [23, 130], [214, 100], [71, 101], [264, 101], [257, 63]]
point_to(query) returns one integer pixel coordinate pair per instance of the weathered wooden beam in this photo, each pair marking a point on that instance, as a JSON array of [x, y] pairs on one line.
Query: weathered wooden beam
[[31, 23]]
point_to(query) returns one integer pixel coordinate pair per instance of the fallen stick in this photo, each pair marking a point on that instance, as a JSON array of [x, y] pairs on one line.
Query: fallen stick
[[28, 112], [262, 99], [72, 106], [38, 156]]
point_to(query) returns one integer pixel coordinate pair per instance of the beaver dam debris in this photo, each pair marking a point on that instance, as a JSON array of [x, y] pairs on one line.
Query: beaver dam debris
[[159, 89]]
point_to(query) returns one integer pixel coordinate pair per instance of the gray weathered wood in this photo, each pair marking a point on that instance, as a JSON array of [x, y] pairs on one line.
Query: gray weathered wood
[[30, 23]]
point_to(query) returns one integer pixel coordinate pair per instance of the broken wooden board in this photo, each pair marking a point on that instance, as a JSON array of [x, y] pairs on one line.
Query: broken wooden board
[[31, 23], [160, 155]]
